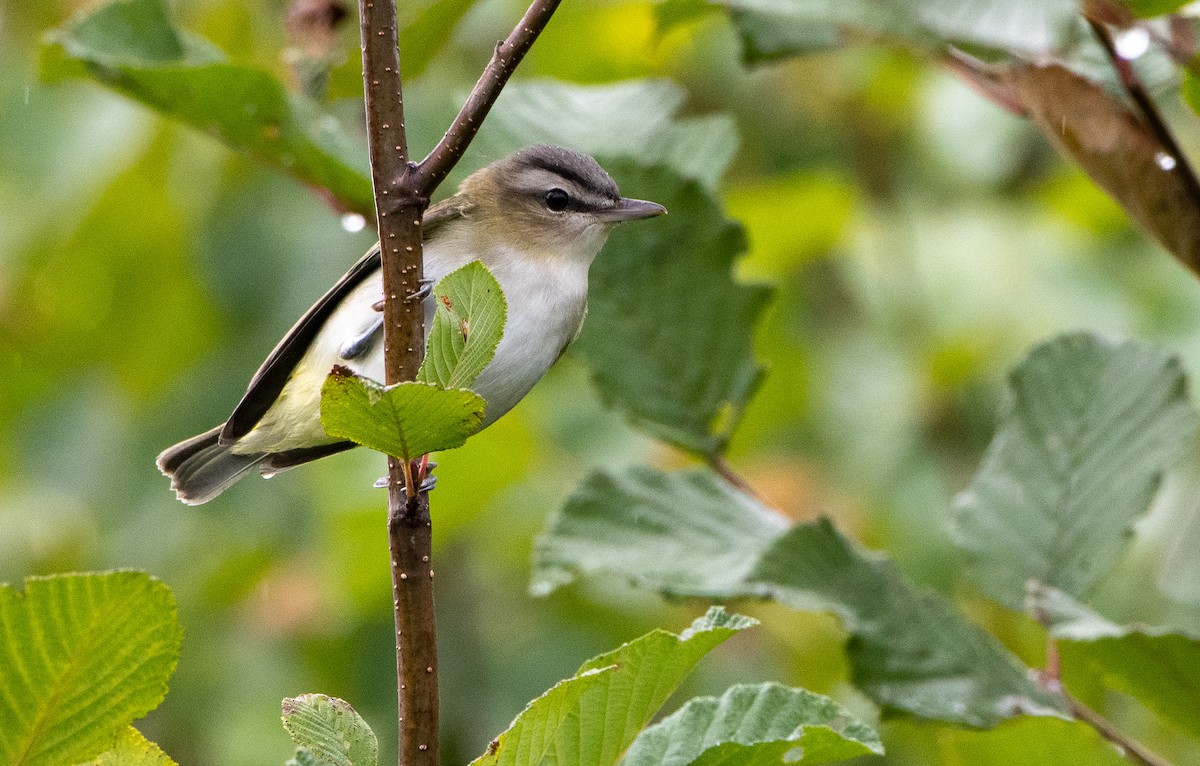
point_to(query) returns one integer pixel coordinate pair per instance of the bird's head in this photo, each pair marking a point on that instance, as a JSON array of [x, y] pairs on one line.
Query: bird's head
[[550, 201]]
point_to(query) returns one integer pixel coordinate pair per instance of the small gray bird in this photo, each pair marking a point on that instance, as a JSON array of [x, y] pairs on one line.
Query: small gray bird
[[536, 219]]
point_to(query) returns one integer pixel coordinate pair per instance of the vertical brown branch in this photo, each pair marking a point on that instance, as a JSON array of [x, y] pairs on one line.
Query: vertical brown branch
[[402, 192], [410, 538]]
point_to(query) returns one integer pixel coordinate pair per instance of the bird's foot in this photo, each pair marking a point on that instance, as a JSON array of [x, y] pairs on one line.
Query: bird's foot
[[423, 293], [361, 343], [427, 480]]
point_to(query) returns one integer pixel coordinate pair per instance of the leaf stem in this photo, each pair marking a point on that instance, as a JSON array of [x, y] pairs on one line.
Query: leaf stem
[[718, 463], [1131, 748]]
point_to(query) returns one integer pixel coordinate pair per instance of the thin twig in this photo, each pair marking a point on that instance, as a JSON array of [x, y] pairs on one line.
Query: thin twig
[[1133, 86], [433, 169], [1051, 681], [1131, 748]]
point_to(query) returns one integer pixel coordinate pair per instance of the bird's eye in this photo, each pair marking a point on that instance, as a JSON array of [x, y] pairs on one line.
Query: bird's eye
[[557, 199]]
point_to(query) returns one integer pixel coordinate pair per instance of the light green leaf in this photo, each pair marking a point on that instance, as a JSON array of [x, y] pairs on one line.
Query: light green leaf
[[669, 333], [1158, 666], [132, 749], [609, 715], [131, 46], [305, 757], [1026, 740], [1085, 433], [754, 725], [467, 327], [332, 731], [910, 650], [633, 120], [1148, 9], [428, 34], [406, 420], [81, 656], [531, 734]]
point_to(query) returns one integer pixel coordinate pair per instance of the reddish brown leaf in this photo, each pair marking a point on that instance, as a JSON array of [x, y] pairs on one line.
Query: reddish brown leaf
[[1117, 150]]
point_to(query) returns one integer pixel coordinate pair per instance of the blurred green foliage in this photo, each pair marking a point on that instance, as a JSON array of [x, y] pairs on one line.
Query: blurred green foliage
[[919, 240]]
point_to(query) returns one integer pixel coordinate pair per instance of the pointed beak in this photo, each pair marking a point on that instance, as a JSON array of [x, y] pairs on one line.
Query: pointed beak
[[631, 210]]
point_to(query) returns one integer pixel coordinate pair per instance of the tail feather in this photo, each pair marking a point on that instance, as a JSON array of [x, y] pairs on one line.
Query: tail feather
[[201, 468]]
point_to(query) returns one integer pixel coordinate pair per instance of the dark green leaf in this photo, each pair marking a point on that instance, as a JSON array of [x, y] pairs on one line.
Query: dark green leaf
[[1085, 433], [330, 730], [609, 715], [772, 29], [1158, 666], [526, 740], [670, 14], [406, 420], [467, 326], [689, 534], [428, 34], [81, 656], [132, 749], [130, 46], [669, 333], [754, 725]]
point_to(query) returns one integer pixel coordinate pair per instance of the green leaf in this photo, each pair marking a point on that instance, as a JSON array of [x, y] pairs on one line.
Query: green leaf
[[305, 757], [428, 34], [1085, 433], [609, 715], [531, 734], [467, 327], [332, 731], [1158, 666], [669, 14], [81, 656], [772, 29], [1149, 9], [1026, 740], [754, 725], [669, 333], [406, 420], [132, 749], [131, 47], [689, 534], [634, 120]]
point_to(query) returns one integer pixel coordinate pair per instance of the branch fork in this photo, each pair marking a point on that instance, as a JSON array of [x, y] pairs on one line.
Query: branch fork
[[402, 192]]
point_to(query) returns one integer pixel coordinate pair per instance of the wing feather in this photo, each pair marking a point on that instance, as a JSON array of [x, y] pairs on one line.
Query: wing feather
[[275, 372]]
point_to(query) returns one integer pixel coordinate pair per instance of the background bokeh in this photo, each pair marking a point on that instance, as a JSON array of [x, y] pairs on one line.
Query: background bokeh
[[919, 240]]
